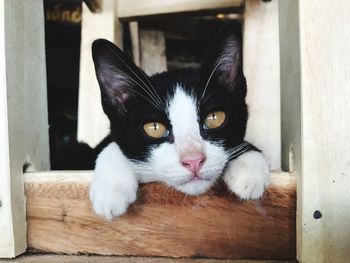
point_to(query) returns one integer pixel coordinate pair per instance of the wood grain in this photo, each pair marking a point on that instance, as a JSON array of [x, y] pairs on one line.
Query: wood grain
[[325, 161], [162, 222]]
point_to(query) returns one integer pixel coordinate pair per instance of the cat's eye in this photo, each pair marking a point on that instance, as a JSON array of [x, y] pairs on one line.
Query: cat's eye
[[155, 129], [214, 120]]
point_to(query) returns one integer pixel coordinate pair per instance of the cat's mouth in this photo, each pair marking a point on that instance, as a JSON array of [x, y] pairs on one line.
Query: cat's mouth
[[194, 186], [195, 179]]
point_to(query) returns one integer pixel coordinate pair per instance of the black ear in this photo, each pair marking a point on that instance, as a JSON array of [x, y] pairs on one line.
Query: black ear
[[117, 76], [223, 64]]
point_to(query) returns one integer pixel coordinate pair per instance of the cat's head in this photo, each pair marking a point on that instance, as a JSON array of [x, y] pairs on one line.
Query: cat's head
[[177, 127]]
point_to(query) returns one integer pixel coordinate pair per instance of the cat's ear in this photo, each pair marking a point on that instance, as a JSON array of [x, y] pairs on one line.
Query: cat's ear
[[224, 64], [116, 74]]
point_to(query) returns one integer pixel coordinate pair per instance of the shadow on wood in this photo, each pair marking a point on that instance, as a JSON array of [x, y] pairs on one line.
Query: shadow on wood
[[162, 222]]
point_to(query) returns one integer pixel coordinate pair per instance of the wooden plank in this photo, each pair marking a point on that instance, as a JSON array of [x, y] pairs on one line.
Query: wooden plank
[[135, 9], [44, 258], [325, 65], [315, 63], [135, 42], [162, 222], [7, 239], [262, 71], [290, 85], [93, 124], [23, 114], [152, 49], [291, 100]]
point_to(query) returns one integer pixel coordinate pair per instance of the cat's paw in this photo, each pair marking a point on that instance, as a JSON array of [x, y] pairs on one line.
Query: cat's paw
[[248, 175], [114, 185], [112, 201]]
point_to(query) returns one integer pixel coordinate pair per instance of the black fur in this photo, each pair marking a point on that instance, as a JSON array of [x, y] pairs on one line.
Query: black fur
[[128, 107]]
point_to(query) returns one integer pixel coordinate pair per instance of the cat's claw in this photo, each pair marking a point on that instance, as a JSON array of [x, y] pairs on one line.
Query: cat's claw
[[248, 175]]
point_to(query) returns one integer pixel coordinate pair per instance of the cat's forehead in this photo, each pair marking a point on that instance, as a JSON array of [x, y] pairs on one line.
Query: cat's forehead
[[182, 110], [166, 83], [178, 99], [180, 87], [182, 103]]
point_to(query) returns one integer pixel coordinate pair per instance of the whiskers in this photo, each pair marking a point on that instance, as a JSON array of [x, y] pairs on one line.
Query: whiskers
[[166, 193], [150, 100], [151, 93], [210, 76], [239, 149]]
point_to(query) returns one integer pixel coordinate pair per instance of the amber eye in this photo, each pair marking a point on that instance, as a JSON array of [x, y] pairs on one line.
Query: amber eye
[[155, 129], [214, 120]]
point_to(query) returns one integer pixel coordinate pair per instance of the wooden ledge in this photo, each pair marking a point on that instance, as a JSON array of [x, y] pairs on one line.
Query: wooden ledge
[[162, 222], [136, 10]]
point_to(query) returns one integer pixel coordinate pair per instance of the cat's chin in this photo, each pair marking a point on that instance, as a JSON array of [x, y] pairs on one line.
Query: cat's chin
[[194, 187]]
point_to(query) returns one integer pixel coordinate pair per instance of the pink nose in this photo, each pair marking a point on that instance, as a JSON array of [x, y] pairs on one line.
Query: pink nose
[[194, 163]]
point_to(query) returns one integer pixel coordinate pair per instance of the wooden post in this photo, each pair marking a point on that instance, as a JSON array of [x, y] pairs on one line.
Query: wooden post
[[262, 70], [135, 42], [152, 49], [23, 114], [291, 101], [290, 86], [325, 93], [93, 124], [319, 136]]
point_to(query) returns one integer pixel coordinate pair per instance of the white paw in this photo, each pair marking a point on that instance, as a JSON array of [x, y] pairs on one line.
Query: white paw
[[113, 201], [248, 175], [114, 185]]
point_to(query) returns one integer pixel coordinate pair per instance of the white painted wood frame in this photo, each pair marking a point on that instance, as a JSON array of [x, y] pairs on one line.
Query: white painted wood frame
[[262, 71], [315, 63], [135, 9], [93, 124], [23, 113]]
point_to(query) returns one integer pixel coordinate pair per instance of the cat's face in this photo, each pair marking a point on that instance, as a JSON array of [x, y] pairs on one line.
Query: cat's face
[[178, 127]]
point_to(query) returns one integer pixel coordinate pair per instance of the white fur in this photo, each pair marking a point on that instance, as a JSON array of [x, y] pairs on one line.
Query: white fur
[[184, 119], [114, 184], [164, 163], [164, 166], [248, 175]]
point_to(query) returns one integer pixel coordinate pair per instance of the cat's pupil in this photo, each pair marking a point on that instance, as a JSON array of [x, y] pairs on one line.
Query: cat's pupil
[[214, 120], [155, 129]]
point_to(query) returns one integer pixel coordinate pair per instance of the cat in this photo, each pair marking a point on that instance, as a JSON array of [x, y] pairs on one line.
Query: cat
[[184, 128]]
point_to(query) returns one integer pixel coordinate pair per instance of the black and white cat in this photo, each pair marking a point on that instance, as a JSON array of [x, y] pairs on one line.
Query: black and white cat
[[184, 128]]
